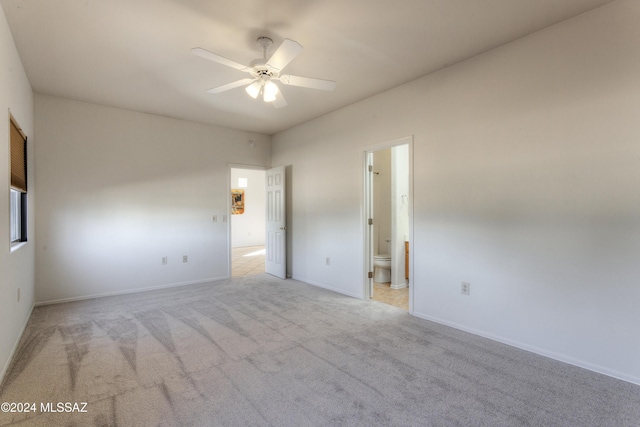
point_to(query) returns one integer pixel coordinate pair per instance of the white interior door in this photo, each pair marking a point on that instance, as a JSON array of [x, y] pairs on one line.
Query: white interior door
[[276, 233]]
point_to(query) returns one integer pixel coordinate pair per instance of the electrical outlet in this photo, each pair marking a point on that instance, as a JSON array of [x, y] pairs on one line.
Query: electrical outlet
[[327, 261], [224, 218], [465, 288], [164, 260], [185, 258]]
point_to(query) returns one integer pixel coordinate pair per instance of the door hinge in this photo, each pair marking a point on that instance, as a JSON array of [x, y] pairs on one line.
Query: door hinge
[[370, 221], [370, 168], [370, 275]]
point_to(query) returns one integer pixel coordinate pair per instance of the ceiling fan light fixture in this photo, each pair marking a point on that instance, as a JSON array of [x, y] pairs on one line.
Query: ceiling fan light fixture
[[264, 70], [270, 91], [254, 89]]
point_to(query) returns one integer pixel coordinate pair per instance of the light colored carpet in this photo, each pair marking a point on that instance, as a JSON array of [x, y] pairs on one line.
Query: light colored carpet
[[259, 351]]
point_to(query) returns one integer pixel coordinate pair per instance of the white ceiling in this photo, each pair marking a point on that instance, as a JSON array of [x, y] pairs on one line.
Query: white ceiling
[[135, 54]]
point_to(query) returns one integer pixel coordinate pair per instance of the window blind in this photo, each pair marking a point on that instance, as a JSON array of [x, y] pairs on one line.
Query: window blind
[[18, 159]]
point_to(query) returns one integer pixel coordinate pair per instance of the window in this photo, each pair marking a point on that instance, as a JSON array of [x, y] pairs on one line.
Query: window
[[18, 203]]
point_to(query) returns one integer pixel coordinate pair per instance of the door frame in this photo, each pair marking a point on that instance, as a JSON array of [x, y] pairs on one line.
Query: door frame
[[367, 156], [228, 210]]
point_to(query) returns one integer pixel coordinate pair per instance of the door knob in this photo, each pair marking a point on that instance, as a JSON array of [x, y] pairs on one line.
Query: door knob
[[283, 228]]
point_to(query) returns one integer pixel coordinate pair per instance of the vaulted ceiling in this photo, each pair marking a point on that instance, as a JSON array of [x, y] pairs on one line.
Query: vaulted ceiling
[[135, 54]]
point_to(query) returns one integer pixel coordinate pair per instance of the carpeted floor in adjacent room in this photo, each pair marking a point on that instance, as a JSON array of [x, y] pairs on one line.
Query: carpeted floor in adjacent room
[[259, 351]]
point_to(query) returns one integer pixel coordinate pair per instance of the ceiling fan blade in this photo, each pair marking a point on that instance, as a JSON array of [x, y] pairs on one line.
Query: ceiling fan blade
[[203, 53], [288, 50], [231, 85], [308, 82], [280, 101]]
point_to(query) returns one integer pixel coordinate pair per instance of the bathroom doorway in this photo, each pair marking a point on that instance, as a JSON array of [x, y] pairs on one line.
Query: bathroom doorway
[[247, 213], [388, 190]]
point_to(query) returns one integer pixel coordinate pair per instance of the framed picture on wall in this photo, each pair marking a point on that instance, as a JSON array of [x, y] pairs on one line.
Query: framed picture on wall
[[237, 202]]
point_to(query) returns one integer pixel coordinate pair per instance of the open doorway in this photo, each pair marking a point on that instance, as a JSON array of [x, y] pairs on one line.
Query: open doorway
[[389, 223], [247, 221]]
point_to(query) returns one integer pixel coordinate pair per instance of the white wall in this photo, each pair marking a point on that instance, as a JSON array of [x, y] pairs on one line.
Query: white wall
[[16, 267], [400, 213], [248, 229], [526, 185], [119, 190]]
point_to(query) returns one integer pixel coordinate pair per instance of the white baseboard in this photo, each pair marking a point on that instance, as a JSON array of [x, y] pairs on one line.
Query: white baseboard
[[130, 291], [12, 353], [322, 285], [533, 349]]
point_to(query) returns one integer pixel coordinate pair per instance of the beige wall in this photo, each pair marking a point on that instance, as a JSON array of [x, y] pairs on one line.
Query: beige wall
[[119, 190], [525, 185], [17, 266]]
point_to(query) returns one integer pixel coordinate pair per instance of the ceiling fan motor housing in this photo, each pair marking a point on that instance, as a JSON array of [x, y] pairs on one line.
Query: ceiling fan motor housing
[[262, 71]]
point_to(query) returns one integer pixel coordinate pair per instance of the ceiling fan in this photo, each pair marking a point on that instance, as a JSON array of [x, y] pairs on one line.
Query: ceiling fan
[[265, 71]]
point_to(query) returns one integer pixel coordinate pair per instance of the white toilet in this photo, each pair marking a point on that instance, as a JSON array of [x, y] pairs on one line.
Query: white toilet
[[382, 268]]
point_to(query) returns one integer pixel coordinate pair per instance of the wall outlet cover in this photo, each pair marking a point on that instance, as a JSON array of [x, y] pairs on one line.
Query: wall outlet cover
[[465, 288]]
